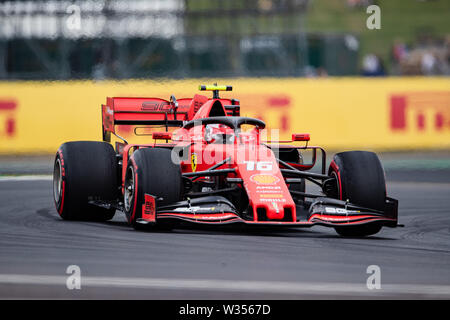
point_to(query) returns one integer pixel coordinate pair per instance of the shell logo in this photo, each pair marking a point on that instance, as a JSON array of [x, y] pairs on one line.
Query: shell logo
[[264, 179]]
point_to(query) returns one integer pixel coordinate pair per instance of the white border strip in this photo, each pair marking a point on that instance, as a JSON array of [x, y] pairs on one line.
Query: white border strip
[[27, 178], [267, 287]]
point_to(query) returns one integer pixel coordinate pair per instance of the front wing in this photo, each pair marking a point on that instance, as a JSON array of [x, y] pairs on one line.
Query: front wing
[[323, 211]]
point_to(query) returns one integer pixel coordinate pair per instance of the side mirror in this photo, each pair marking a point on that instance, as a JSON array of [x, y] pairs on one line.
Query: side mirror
[[300, 137], [162, 135]]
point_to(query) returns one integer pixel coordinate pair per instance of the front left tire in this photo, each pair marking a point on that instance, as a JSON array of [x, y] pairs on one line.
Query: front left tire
[[151, 171]]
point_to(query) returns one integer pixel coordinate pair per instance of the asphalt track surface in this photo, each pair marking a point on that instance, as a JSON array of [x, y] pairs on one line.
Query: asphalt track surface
[[116, 262]]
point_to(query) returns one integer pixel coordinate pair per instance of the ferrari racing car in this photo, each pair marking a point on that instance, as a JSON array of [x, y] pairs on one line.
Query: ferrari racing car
[[212, 166]]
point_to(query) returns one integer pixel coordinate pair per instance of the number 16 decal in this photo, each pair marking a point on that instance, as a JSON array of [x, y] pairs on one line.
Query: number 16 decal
[[259, 166]]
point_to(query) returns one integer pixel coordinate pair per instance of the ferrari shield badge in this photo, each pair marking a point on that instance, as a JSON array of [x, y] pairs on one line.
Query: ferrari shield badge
[[194, 162]]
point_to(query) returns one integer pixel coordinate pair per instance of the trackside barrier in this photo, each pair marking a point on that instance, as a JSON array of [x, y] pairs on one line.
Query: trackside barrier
[[339, 113]]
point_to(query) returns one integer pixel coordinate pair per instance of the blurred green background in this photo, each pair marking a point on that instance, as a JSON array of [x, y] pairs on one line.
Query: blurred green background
[[118, 39], [407, 21]]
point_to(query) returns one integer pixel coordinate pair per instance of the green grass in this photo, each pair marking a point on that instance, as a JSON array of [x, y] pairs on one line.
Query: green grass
[[401, 20]]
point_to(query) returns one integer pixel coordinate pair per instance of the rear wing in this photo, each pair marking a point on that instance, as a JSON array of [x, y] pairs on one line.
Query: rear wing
[[143, 111], [155, 112]]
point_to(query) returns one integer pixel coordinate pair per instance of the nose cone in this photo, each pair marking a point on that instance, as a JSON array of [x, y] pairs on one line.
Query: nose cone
[[267, 192]]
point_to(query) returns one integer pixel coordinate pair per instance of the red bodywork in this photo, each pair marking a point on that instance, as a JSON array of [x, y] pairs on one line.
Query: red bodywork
[[270, 201]]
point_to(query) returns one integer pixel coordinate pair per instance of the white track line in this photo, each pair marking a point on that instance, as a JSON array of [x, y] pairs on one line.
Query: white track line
[[268, 287], [26, 178]]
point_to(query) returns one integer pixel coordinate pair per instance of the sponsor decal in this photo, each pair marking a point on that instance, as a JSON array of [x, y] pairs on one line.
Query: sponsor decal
[[272, 200], [264, 179], [335, 210], [187, 209], [61, 159], [267, 188], [339, 210], [148, 208], [271, 195], [155, 106], [416, 110], [194, 162], [8, 117], [267, 191]]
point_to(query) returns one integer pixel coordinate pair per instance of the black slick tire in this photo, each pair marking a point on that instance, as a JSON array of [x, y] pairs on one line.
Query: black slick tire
[[84, 171]]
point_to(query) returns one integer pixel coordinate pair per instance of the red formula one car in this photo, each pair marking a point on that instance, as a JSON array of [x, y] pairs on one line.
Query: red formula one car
[[215, 168]]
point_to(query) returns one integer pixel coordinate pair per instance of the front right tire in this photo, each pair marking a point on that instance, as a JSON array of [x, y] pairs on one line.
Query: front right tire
[[360, 179]]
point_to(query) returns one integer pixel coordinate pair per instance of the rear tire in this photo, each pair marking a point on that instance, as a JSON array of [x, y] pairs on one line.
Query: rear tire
[[84, 171], [359, 179], [151, 171]]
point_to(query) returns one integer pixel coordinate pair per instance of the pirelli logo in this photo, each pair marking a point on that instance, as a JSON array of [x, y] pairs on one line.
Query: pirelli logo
[[7, 118], [420, 111]]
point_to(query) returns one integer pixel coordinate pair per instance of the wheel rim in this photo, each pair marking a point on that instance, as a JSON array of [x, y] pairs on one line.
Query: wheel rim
[[129, 189], [57, 181], [338, 189]]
